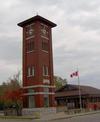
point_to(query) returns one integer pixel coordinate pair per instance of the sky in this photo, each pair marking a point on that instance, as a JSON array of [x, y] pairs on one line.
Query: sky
[[76, 39]]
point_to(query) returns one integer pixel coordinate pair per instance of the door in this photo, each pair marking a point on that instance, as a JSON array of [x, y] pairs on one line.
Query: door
[[31, 102]]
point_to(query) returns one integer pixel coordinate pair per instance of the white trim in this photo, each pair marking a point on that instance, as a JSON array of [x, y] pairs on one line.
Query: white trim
[[44, 25], [30, 25], [30, 76], [35, 86], [30, 37], [44, 37], [30, 51], [36, 93], [45, 51]]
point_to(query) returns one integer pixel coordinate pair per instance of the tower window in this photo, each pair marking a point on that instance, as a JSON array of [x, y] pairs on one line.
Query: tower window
[[44, 45], [45, 70], [33, 72], [30, 71], [30, 45]]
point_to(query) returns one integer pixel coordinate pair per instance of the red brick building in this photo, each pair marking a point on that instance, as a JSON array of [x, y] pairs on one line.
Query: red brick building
[[37, 75], [68, 96]]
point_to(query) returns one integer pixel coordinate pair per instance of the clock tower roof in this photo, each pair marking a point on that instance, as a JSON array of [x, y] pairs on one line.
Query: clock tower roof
[[35, 18]]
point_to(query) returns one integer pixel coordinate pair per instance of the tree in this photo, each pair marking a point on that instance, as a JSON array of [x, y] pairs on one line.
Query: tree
[[13, 95], [11, 84], [10, 91], [13, 99], [59, 82]]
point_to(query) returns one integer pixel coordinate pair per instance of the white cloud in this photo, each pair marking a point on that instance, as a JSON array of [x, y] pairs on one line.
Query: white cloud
[[76, 39]]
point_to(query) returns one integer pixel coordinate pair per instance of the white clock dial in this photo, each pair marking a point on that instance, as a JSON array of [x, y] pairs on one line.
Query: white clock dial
[[30, 31], [44, 31]]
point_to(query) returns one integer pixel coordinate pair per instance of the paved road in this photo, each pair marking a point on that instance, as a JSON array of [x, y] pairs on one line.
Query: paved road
[[86, 118]]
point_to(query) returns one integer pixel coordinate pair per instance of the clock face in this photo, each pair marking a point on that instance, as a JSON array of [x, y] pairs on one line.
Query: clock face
[[44, 30], [29, 30]]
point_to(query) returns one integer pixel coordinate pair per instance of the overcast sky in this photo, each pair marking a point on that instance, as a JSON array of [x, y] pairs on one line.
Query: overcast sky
[[76, 39]]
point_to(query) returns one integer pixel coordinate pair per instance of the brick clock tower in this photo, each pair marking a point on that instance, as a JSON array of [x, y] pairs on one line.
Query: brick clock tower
[[38, 83]]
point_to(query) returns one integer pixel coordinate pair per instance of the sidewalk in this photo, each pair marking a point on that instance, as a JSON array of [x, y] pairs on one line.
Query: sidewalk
[[49, 117], [62, 115]]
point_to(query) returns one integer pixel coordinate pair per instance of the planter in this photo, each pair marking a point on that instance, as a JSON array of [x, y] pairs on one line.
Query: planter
[[13, 112]]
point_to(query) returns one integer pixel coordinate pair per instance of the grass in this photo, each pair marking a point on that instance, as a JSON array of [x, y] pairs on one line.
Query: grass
[[29, 117]]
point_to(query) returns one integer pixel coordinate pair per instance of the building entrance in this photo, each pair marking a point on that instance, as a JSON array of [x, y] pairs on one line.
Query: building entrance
[[31, 102]]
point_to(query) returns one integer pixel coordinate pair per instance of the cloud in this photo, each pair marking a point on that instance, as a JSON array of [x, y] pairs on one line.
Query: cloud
[[76, 39]]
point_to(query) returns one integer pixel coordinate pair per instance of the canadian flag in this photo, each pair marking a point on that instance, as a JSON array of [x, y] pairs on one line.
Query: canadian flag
[[74, 74]]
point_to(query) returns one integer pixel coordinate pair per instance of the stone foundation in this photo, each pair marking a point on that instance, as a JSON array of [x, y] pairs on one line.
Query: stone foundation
[[40, 111], [62, 109]]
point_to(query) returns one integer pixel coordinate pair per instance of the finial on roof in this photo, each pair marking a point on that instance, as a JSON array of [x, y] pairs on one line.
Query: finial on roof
[[36, 13]]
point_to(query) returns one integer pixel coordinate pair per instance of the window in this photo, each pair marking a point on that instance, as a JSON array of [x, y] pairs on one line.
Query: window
[[46, 100], [30, 45], [31, 102], [33, 71], [46, 90], [44, 45], [30, 90], [30, 71], [45, 70]]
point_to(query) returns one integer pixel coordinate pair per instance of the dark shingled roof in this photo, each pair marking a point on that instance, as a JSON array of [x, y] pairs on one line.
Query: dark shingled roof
[[73, 90], [37, 17]]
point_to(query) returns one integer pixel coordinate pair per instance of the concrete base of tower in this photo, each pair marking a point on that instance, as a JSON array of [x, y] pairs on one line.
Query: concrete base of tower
[[40, 111]]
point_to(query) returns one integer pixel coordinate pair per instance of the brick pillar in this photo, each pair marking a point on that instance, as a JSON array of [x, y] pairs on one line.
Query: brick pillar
[[52, 100], [39, 101], [25, 101]]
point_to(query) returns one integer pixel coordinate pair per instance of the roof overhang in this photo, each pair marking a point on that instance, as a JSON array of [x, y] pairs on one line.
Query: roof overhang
[[36, 18]]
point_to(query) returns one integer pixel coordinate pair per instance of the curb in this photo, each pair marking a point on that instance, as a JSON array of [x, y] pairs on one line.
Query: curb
[[16, 117]]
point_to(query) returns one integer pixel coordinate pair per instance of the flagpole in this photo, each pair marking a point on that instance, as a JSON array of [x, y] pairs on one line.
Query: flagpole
[[80, 100]]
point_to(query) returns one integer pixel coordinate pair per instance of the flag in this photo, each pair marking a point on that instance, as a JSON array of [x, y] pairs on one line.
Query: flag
[[74, 74]]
